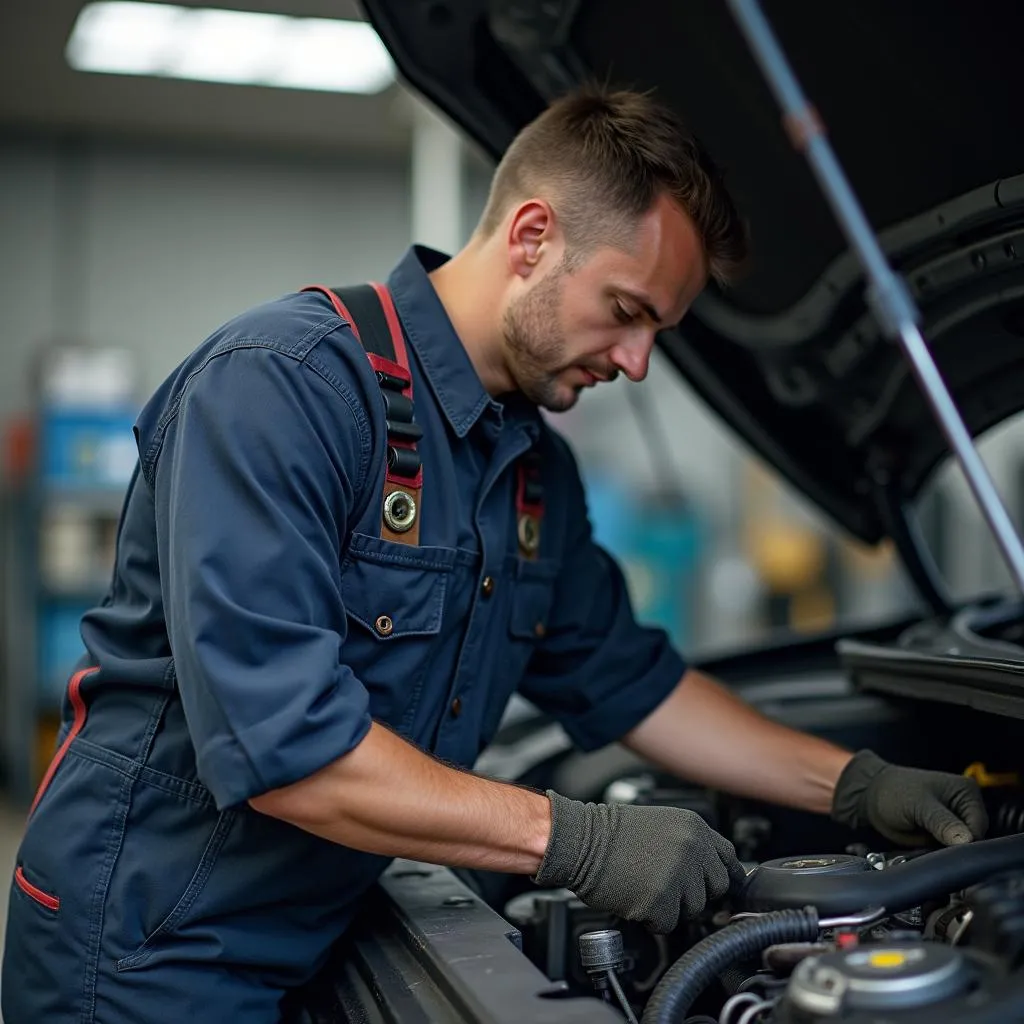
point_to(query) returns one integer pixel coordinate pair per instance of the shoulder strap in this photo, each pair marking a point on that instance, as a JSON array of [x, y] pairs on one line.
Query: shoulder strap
[[370, 311], [529, 504], [366, 314]]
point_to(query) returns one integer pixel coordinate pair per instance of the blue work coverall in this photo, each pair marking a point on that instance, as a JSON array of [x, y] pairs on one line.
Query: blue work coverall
[[236, 652]]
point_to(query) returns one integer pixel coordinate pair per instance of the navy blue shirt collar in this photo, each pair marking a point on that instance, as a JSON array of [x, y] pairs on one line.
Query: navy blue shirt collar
[[447, 365]]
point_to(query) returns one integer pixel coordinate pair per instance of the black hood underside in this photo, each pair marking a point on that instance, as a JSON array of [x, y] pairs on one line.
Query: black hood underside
[[923, 106]]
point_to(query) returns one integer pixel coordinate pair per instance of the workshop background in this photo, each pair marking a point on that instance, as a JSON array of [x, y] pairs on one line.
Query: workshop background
[[139, 210]]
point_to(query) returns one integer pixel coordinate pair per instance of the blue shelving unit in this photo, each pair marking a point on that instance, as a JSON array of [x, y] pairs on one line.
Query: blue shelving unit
[[59, 531], [658, 539]]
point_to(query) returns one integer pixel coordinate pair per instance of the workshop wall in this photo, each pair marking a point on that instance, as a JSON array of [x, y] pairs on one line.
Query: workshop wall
[[149, 250]]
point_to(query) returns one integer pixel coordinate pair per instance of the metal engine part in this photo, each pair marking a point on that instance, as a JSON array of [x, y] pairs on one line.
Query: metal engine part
[[828, 864], [876, 978], [997, 918], [550, 922], [553, 921], [602, 951]]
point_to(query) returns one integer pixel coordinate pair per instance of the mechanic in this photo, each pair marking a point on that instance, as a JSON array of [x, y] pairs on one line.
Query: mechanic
[[294, 670]]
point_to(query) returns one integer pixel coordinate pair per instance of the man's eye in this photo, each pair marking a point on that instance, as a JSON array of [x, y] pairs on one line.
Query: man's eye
[[622, 314]]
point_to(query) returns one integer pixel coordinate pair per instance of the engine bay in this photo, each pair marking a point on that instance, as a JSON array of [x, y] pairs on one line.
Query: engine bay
[[857, 934], [829, 924]]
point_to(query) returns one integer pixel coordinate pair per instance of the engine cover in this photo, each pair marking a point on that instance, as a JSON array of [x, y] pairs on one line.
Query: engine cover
[[769, 885]]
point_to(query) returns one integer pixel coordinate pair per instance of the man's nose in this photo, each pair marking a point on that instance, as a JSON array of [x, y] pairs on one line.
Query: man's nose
[[633, 356]]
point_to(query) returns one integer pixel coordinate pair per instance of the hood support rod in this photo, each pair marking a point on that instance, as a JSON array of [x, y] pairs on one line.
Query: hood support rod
[[887, 295]]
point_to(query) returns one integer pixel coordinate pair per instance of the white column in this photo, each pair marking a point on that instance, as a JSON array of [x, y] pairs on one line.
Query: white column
[[437, 181]]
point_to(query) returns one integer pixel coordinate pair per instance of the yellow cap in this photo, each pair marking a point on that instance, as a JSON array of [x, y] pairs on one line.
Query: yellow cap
[[887, 958], [984, 777]]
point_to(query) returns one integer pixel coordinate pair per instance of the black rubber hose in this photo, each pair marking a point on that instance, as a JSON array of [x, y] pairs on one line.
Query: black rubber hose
[[897, 888], [732, 977], [696, 969]]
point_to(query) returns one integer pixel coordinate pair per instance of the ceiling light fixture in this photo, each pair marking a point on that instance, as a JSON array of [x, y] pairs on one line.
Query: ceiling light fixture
[[239, 47]]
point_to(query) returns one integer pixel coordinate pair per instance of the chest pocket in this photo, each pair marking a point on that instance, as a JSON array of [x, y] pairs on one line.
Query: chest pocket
[[394, 598]]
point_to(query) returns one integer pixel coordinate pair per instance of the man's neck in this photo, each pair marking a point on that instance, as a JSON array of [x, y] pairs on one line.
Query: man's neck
[[465, 286]]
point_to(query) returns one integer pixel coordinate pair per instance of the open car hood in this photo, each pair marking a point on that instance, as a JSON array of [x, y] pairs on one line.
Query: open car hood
[[923, 109]]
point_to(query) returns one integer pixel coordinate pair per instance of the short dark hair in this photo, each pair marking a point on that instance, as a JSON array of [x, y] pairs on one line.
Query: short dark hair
[[607, 156]]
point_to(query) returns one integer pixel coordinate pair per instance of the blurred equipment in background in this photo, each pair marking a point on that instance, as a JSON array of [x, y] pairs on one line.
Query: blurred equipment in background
[[68, 467], [792, 558], [656, 538], [648, 522]]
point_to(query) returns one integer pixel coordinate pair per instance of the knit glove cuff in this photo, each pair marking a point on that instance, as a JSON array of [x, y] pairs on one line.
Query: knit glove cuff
[[849, 806], [569, 829]]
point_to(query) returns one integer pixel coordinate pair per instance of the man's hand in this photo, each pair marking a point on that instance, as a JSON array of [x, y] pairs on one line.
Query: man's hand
[[909, 805], [644, 864]]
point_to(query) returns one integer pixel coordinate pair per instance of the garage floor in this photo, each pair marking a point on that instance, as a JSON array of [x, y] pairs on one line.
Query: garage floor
[[12, 823]]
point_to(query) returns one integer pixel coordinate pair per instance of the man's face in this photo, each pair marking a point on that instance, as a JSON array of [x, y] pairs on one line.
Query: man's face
[[572, 329]]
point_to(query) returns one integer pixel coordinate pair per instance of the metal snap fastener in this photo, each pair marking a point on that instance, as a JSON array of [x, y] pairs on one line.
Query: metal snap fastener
[[487, 586], [529, 533], [384, 625], [540, 629], [400, 511], [456, 707]]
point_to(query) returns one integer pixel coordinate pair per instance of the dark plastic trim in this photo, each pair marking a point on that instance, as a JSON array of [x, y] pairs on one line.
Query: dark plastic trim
[[425, 949]]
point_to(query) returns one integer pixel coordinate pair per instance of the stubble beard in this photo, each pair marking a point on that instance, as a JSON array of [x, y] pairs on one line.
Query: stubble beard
[[535, 349]]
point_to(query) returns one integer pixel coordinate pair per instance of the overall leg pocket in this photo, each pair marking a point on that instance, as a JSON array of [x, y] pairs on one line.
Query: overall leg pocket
[[170, 848]]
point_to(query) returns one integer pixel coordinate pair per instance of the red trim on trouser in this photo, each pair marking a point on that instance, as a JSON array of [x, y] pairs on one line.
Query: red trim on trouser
[[76, 727], [48, 901]]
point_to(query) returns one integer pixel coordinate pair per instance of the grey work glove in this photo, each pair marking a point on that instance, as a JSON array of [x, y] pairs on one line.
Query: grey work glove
[[646, 864], [909, 805]]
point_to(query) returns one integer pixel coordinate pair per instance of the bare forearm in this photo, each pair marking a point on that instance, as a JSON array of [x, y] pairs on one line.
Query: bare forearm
[[388, 797], [704, 733]]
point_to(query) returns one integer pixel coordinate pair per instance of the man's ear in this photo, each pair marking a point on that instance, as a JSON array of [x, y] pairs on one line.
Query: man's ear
[[532, 234]]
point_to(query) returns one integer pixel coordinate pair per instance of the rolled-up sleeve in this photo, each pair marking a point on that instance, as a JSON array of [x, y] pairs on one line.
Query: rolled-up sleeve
[[257, 474], [598, 671]]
